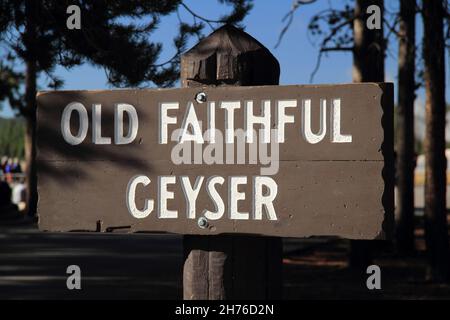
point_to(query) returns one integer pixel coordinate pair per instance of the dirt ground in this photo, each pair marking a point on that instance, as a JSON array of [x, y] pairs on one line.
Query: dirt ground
[[33, 266], [324, 266]]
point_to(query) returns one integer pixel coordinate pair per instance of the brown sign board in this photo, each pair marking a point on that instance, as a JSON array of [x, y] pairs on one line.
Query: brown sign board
[[291, 161]]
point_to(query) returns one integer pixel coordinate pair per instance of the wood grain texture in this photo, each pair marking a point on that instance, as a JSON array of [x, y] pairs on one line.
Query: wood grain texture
[[361, 111], [323, 189], [227, 256], [339, 198], [229, 56]]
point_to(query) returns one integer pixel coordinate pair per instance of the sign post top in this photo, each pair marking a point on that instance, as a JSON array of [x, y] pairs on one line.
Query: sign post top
[[229, 56]]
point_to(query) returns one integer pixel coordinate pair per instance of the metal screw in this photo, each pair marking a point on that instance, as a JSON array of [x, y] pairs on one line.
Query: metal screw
[[200, 97], [202, 222]]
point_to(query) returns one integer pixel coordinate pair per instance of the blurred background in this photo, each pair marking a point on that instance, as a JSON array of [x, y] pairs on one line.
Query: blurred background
[[138, 44]]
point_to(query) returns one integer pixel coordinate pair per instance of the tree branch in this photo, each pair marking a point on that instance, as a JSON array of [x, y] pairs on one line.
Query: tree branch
[[290, 17], [319, 58], [208, 21], [336, 49]]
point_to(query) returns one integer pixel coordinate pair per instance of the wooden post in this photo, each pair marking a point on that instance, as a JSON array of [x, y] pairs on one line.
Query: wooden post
[[230, 266]]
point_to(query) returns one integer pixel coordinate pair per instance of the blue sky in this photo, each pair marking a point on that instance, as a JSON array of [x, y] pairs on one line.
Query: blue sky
[[297, 56]]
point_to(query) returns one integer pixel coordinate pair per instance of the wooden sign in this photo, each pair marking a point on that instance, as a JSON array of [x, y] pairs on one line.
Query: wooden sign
[[292, 161]]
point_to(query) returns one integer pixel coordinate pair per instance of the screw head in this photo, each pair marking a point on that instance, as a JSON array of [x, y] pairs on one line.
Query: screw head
[[202, 222], [200, 97]]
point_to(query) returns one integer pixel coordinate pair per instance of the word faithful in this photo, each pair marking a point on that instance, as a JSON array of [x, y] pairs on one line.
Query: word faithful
[[190, 121]]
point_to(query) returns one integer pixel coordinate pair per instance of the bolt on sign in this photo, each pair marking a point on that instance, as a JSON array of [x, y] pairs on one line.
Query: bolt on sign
[[293, 161]]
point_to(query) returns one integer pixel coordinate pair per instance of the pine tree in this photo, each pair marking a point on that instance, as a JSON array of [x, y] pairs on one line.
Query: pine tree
[[35, 33]]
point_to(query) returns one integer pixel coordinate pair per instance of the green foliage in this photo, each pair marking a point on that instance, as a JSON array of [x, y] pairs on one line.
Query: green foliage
[[115, 35], [12, 133], [10, 81]]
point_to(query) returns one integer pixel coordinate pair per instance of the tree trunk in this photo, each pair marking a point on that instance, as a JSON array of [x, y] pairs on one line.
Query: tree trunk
[[30, 104], [369, 47], [436, 232], [405, 121], [368, 66]]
